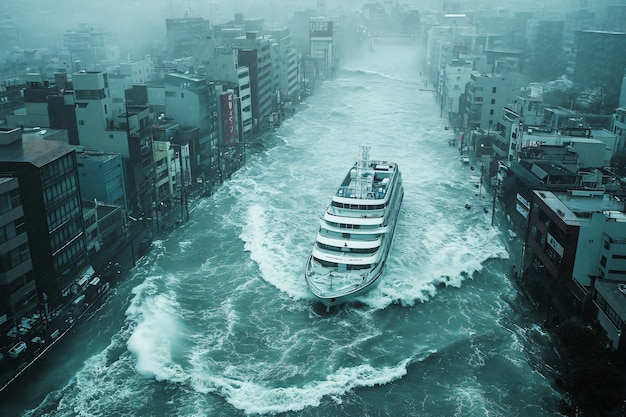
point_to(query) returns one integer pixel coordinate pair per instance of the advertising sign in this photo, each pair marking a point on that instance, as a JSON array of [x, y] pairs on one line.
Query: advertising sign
[[227, 103], [321, 29]]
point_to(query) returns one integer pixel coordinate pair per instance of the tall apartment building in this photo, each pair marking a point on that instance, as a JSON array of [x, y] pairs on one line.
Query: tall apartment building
[[101, 177], [51, 213], [18, 289], [89, 47], [457, 74], [599, 270], [288, 71], [244, 98], [117, 128], [190, 99], [487, 94], [545, 60], [594, 47], [325, 45], [579, 237], [182, 34], [216, 59], [254, 52]]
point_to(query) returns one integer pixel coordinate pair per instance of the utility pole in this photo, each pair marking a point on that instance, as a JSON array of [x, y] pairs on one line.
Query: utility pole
[[493, 207]]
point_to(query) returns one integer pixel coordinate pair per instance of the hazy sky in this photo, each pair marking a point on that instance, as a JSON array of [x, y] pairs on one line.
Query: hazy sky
[[41, 23]]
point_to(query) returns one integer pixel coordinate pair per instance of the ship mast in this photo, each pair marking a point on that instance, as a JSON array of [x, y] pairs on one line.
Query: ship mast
[[361, 171]]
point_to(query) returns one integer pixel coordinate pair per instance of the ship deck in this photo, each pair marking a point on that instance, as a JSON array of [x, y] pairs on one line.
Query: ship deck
[[367, 183]]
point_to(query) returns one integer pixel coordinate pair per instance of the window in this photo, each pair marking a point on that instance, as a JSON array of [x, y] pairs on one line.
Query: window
[[493, 90], [490, 112], [89, 94], [81, 122], [603, 261], [493, 101]]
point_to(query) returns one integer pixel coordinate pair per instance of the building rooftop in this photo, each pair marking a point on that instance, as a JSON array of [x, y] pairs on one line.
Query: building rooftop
[[38, 152], [573, 203], [95, 156], [609, 290], [560, 208]]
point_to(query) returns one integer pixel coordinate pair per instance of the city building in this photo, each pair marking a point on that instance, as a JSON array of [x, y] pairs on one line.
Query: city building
[[457, 74], [18, 289], [544, 57], [254, 52], [554, 225], [287, 71], [52, 213], [101, 177], [593, 47], [325, 49], [599, 269], [139, 71], [190, 99], [89, 47], [119, 128], [487, 95], [105, 232], [183, 33], [618, 125], [219, 62]]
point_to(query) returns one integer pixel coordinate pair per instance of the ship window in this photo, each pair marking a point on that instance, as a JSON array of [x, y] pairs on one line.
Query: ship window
[[326, 264]]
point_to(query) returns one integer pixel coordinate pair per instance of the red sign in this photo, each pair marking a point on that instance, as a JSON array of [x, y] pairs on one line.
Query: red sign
[[227, 102]]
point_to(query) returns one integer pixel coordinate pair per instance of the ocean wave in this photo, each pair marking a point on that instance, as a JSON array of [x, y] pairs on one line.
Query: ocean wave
[[370, 73], [256, 398], [158, 329]]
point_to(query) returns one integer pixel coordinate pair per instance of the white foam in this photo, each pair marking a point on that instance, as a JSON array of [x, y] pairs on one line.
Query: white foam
[[258, 398], [157, 331]]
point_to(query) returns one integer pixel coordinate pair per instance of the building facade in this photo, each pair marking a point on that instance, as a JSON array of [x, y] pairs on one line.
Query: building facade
[[18, 289], [56, 240]]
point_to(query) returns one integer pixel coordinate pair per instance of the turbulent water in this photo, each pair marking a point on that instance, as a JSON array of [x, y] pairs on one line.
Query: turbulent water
[[217, 321]]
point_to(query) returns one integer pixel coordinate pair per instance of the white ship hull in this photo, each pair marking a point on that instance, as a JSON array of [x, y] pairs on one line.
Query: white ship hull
[[356, 232]]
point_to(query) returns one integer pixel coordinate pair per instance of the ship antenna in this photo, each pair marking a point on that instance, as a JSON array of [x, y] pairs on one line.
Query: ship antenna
[[361, 170]]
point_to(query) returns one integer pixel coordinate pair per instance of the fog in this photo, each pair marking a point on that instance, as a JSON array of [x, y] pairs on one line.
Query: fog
[[41, 23], [140, 24]]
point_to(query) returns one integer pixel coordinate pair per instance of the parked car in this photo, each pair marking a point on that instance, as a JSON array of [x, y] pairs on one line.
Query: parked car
[[17, 349]]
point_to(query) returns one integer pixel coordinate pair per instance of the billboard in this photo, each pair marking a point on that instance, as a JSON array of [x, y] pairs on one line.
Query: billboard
[[227, 103], [321, 29]]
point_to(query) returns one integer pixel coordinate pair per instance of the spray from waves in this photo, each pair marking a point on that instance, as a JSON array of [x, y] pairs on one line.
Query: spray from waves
[[369, 73], [158, 329], [470, 400], [271, 249], [255, 398], [96, 389], [444, 254]]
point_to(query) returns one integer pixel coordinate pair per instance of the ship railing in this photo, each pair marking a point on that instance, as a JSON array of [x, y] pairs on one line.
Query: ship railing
[[377, 193]]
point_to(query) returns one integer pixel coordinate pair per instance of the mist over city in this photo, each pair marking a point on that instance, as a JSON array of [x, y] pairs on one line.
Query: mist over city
[[319, 208]]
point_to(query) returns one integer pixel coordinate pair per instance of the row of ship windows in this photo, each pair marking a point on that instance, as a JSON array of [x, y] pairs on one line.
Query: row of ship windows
[[354, 226], [342, 235], [327, 264], [358, 206], [348, 250]]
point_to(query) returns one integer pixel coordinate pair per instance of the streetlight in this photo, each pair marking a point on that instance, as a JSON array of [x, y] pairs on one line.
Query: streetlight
[[132, 235]]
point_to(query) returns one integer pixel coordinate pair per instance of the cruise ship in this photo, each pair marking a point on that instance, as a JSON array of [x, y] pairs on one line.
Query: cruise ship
[[356, 232]]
